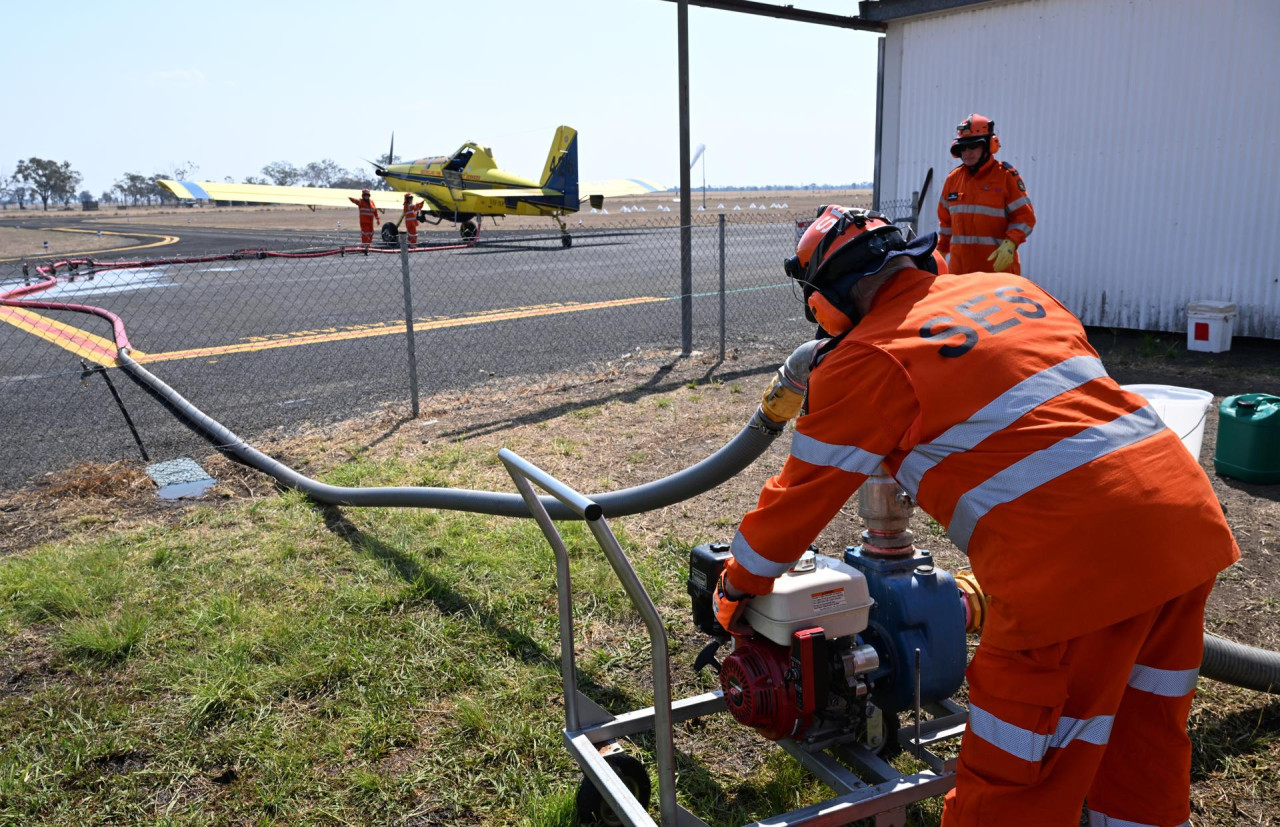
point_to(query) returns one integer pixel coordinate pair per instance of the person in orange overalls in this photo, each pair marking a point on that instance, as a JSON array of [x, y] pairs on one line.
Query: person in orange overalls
[[410, 218], [1094, 533], [369, 214], [984, 213]]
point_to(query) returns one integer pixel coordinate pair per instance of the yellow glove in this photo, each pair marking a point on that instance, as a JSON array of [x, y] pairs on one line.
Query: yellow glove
[[1003, 256], [782, 399], [974, 598]]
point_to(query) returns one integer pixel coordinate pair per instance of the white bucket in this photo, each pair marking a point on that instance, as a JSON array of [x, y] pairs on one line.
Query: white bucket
[[1182, 409]]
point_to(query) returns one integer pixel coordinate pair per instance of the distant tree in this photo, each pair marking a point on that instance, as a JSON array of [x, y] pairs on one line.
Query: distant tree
[[133, 186], [185, 171], [48, 179], [323, 173], [282, 173], [253, 179], [352, 181], [6, 183]]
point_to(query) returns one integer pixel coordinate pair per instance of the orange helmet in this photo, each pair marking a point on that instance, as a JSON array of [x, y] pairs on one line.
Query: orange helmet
[[364, 192], [976, 129], [843, 246]]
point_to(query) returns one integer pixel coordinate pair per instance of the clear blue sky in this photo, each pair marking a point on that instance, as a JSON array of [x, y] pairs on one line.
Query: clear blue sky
[[231, 86]]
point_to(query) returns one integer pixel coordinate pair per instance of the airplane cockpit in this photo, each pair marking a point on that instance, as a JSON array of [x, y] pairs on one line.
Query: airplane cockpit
[[459, 160]]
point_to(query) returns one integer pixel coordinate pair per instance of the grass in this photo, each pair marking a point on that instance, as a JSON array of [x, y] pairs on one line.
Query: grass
[[284, 662]]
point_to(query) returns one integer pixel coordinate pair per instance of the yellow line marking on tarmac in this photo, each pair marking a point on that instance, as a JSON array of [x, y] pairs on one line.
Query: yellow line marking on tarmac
[[164, 239], [103, 351], [79, 342]]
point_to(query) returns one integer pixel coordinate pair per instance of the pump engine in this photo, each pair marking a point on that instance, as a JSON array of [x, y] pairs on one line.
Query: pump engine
[[833, 650]]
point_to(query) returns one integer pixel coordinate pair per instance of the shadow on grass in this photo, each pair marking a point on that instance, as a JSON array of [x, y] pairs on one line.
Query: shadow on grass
[[448, 600], [1234, 736], [659, 382]]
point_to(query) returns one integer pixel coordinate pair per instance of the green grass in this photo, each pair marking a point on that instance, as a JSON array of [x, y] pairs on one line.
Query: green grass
[[285, 662]]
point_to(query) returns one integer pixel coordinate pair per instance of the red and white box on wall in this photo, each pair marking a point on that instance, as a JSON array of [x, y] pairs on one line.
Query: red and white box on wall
[[1210, 325]]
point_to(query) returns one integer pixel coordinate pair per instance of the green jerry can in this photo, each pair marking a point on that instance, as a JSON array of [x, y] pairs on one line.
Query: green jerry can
[[1249, 438]]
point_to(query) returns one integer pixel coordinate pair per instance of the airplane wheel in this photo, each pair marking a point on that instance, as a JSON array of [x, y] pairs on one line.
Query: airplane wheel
[[390, 233], [592, 806], [566, 241], [468, 230]]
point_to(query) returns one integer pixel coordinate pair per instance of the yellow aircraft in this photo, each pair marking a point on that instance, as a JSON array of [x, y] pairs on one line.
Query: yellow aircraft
[[462, 188]]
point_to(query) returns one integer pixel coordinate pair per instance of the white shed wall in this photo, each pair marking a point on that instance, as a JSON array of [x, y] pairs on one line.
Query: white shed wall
[[1147, 131]]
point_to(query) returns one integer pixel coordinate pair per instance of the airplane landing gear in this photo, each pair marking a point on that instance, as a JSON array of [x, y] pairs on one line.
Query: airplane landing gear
[[468, 230], [566, 240], [390, 233]]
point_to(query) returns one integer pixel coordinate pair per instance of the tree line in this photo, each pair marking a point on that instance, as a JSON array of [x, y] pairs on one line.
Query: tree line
[[43, 180]]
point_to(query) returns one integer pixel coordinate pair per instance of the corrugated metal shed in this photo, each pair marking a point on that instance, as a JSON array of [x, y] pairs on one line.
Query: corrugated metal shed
[[1148, 132]]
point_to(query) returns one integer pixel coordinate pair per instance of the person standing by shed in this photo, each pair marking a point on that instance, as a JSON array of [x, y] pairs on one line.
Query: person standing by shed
[[984, 213]]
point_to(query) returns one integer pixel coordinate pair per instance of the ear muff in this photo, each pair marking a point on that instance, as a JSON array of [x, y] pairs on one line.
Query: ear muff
[[833, 320]]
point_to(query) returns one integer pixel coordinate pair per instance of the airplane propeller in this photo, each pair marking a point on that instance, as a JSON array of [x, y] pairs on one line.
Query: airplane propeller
[[380, 170]]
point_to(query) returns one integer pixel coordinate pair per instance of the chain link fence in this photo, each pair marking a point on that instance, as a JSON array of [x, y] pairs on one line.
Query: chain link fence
[[272, 339]]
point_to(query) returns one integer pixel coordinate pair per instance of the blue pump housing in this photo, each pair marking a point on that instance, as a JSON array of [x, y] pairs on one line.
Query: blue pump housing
[[917, 607]]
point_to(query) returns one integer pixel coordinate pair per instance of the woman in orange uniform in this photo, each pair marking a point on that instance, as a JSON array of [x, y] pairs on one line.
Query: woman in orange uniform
[[1094, 533], [984, 213]]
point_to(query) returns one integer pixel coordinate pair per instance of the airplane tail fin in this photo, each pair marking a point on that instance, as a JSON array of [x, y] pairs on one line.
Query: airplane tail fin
[[561, 171]]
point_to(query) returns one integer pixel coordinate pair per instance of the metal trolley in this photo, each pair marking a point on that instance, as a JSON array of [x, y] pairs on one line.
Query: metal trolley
[[876, 790]]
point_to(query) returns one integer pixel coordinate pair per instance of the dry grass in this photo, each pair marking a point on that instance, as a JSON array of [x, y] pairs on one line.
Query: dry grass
[[16, 242]]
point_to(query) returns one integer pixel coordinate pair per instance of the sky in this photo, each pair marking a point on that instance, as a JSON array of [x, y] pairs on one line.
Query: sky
[[232, 86]]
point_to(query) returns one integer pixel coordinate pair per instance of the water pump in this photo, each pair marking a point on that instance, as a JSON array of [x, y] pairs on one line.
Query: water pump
[[841, 645]]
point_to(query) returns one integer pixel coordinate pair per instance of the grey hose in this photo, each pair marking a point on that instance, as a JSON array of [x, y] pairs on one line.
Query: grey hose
[[728, 461], [1240, 665]]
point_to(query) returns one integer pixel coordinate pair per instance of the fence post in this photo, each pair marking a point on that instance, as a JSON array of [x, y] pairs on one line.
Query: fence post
[[722, 287], [408, 320]]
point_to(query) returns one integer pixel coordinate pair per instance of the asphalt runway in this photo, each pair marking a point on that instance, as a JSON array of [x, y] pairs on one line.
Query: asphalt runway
[[273, 345]]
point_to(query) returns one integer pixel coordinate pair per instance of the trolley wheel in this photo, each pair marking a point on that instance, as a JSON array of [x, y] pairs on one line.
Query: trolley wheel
[[566, 241], [468, 230], [390, 233], [592, 806]]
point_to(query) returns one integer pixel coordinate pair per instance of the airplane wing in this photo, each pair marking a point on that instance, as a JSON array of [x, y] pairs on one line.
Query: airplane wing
[[619, 186], [268, 194]]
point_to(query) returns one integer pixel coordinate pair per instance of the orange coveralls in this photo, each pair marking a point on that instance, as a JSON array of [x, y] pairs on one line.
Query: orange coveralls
[[411, 221], [368, 215], [1094, 533], [977, 212]]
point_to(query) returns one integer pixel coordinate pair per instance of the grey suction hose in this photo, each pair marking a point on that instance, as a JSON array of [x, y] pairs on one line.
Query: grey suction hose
[[725, 463], [1240, 665]]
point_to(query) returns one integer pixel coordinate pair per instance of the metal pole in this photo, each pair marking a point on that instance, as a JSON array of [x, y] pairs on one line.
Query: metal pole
[[408, 320], [686, 206], [721, 287]]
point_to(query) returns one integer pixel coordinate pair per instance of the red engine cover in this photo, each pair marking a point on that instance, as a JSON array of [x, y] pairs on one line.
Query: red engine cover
[[756, 690]]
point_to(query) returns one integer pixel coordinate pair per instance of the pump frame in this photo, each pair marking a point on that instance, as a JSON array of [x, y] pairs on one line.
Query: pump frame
[[876, 790]]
